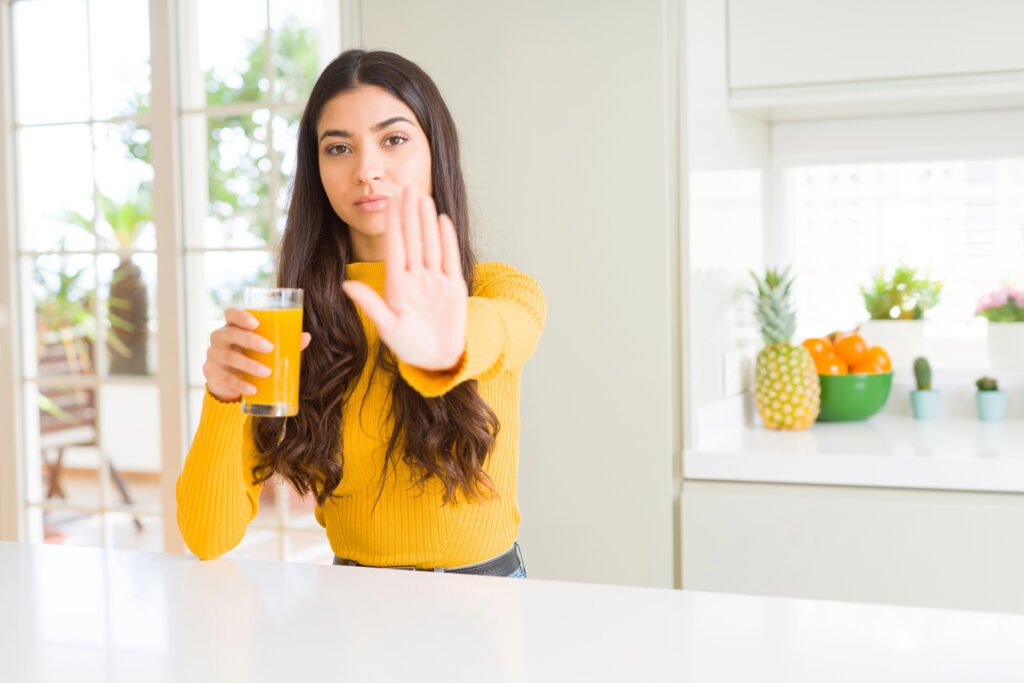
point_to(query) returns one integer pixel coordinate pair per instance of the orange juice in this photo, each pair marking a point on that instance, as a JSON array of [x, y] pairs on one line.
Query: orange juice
[[278, 394]]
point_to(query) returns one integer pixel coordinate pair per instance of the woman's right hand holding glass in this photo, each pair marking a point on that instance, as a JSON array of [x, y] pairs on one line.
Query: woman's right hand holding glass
[[226, 363]]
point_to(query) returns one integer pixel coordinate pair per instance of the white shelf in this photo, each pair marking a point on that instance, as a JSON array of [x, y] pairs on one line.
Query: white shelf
[[963, 454]]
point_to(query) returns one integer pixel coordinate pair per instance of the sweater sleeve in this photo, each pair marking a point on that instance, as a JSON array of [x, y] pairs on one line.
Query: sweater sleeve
[[215, 494], [504, 320]]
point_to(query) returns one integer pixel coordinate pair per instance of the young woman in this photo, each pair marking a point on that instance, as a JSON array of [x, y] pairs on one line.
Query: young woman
[[408, 425]]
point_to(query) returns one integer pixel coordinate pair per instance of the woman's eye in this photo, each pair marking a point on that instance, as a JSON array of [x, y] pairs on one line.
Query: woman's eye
[[337, 149], [393, 140]]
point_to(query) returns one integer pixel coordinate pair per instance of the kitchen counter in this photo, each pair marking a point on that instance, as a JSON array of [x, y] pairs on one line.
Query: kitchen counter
[[887, 450], [88, 614]]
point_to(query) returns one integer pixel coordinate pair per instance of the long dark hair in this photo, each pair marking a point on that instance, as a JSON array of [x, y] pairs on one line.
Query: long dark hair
[[446, 437]]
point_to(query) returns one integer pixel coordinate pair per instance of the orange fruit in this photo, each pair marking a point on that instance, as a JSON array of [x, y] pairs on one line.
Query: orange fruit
[[817, 346], [852, 349], [876, 354], [867, 367], [833, 337], [831, 365]]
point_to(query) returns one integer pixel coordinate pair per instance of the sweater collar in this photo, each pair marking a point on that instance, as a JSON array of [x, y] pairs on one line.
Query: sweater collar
[[373, 273]]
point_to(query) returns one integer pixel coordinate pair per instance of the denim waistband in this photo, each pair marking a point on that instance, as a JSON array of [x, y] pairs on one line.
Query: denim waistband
[[501, 565]]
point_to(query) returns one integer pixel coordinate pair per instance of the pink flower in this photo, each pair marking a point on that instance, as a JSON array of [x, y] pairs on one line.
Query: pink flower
[[986, 302], [999, 298]]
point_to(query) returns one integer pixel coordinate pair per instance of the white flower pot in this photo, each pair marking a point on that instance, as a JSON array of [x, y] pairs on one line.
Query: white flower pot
[[903, 340], [1006, 345]]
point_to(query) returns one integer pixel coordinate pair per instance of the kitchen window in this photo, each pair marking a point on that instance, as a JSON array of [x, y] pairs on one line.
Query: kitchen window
[[93, 379], [942, 193], [959, 221]]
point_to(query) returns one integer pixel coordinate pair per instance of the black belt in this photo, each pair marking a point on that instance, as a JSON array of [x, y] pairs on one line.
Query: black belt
[[502, 565]]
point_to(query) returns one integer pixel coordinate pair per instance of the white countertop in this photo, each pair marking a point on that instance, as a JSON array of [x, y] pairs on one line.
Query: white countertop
[[887, 450], [84, 614]]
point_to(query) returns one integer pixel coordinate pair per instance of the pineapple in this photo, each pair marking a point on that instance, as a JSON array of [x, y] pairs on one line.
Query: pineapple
[[787, 391]]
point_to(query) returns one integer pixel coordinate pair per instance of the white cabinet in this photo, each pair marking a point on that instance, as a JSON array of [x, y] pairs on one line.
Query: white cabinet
[[803, 42], [926, 548], [787, 53]]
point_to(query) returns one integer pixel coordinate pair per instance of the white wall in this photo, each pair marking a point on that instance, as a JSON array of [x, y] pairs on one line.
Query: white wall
[[562, 112], [729, 190]]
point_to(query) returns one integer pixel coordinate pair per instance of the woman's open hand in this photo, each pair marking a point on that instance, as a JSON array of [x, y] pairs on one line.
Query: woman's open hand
[[423, 319]]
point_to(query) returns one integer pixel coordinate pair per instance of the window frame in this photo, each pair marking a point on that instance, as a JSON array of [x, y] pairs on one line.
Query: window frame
[[12, 524], [168, 26]]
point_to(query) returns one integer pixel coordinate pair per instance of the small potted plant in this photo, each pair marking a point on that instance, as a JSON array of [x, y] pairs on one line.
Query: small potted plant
[[991, 401], [896, 304], [127, 314], [925, 400], [1004, 310]]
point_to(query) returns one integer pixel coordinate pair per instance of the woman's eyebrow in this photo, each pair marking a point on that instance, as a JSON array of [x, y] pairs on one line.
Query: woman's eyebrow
[[384, 124], [380, 126]]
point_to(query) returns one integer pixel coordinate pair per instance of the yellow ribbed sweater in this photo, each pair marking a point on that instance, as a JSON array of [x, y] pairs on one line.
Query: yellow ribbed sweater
[[216, 498]]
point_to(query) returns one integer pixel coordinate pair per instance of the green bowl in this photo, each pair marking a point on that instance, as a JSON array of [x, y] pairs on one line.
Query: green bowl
[[845, 398]]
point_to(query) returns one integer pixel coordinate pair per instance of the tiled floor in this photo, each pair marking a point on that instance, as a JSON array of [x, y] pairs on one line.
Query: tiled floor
[[77, 528]]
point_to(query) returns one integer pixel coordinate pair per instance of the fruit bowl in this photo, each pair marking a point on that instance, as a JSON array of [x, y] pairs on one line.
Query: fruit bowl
[[845, 398]]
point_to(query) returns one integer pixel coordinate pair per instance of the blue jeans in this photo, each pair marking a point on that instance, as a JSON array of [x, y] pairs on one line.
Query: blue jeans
[[518, 573]]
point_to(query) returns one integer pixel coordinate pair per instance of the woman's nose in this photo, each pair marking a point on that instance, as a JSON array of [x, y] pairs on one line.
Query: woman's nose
[[369, 169]]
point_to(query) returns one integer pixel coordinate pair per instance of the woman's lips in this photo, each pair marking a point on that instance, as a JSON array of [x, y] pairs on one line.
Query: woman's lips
[[372, 203]]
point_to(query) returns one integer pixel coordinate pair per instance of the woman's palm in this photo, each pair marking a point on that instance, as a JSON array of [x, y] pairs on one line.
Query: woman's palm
[[423, 316]]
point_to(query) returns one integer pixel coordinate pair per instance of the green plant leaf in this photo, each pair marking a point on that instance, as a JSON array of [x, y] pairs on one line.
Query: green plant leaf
[[49, 406], [903, 295]]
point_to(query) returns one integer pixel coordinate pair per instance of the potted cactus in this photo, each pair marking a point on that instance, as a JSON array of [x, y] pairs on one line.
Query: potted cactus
[[924, 401], [991, 401]]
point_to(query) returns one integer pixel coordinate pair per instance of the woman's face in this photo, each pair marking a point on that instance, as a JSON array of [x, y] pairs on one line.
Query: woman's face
[[371, 147]]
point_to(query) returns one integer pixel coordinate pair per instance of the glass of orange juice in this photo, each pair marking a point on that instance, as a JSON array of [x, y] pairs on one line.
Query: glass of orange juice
[[279, 312]]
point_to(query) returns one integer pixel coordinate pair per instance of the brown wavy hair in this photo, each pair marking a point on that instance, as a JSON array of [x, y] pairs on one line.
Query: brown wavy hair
[[447, 437]]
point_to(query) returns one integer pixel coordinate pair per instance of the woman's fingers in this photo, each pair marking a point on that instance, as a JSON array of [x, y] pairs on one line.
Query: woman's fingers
[[411, 229], [224, 382], [229, 387], [431, 234], [236, 360], [234, 336], [373, 306], [225, 361], [452, 261], [227, 365], [394, 238], [241, 318]]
